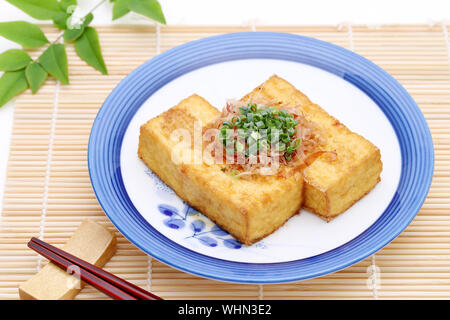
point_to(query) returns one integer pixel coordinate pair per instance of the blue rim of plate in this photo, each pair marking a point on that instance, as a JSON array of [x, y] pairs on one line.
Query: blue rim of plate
[[121, 105]]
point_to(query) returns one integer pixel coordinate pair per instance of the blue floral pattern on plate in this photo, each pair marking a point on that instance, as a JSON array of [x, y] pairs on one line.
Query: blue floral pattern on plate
[[202, 230]]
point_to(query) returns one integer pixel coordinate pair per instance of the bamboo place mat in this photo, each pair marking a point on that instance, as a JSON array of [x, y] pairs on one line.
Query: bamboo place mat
[[48, 191]]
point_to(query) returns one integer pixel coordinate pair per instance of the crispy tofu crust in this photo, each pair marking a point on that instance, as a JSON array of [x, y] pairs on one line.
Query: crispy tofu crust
[[331, 187], [249, 209], [254, 208]]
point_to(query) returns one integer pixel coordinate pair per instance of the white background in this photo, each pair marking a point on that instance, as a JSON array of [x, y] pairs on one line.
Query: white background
[[246, 12]]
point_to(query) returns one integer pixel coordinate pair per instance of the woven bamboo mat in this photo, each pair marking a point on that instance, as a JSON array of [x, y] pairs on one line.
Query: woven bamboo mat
[[48, 191]]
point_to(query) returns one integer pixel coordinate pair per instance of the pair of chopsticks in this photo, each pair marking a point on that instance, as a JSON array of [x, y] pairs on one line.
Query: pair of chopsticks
[[104, 281]]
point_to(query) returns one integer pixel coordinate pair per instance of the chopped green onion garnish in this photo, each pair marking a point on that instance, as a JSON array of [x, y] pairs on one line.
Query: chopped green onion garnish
[[259, 128]]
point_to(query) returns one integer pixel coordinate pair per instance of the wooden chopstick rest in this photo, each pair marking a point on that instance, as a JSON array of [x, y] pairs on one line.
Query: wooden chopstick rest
[[91, 242], [97, 277], [85, 275]]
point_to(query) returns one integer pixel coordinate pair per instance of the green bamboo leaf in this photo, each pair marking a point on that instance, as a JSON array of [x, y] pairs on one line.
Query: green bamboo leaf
[[121, 8], [88, 19], [88, 48], [24, 33], [74, 33], [38, 9], [65, 4], [54, 61], [35, 75], [148, 8], [60, 20], [14, 59], [12, 83], [67, 8]]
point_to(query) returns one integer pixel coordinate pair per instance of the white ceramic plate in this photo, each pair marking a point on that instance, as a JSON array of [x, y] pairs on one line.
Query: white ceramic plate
[[304, 235], [351, 88]]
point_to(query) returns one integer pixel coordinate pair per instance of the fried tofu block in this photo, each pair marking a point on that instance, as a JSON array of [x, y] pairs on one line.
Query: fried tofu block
[[249, 209], [331, 187]]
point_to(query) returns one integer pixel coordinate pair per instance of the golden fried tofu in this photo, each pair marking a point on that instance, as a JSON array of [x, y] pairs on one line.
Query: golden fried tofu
[[331, 187], [249, 209]]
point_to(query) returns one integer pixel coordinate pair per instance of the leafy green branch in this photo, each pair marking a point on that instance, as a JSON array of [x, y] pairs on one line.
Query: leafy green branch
[[22, 72]]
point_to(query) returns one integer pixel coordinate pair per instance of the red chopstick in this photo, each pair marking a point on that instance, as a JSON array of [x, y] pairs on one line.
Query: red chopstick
[[106, 282]]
